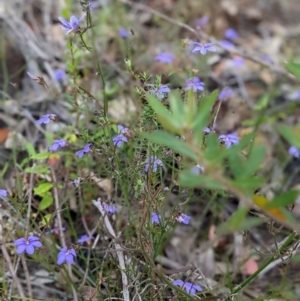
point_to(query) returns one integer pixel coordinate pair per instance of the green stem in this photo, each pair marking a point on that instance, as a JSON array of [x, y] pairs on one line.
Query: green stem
[[269, 261], [104, 93]]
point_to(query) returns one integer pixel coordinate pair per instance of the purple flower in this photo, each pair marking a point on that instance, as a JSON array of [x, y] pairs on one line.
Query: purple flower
[[194, 83], [202, 48], [225, 94], [28, 244], [206, 130], [119, 139], [57, 144], [85, 238], [73, 25], [153, 163], [155, 218], [46, 119], [231, 34], [55, 230], [76, 182], [294, 151], [66, 255], [267, 59], [123, 33], [238, 61], [229, 139], [3, 193], [60, 74], [197, 169], [226, 44], [32, 76], [123, 129], [165, 57], [295, 95], [159, 91], [109, 209], [183, 218], [201, 22], [188, 286], [83, 151]]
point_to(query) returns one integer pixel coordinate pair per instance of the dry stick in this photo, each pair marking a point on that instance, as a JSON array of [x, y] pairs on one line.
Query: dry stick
[[204, 36], [118, 247], [25, 268], [61, 234], [13, 274]]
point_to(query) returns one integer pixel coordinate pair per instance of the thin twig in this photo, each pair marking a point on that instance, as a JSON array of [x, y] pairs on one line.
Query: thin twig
[[27, 277], [61, 233], [12, 272], [118, 249]]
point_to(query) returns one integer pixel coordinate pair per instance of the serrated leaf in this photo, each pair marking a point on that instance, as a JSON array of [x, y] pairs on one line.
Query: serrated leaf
[[177, 107], [294, 68], [253, 162], [40, 156], [188, 179], [292, 135], [164, 116], [46, 202], [30, 148], [37, 169], [166, 139], [204, 111], [282, 200], [42, 188]]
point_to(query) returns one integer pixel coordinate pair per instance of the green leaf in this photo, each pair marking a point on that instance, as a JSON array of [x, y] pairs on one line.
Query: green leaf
[[163, 138], [284, 199], [46, 202], [40, 156], [253, 162], [164, 116], [188, 179], [236, 164], [263, 103], [204, 111], [30, 148], [238, 222], [292, 135], [38, 169], [177, 106], [294, 68], [43, 188], [213, 151], [248, 185]]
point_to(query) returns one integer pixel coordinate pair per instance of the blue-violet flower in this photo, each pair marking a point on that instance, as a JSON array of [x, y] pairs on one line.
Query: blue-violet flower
[[73, 25], [85, 238], [183, 218], [109, 209], [66, 255], [153, 163], [57, 144], [46, 119], [159, 91], [225, 94], [231, 34], [203, 48], [83, 151], [155, 218], [3, 193], [188, 286], [194, 83], [229, 139], [294, 151], [165, 57], [28, 244]]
